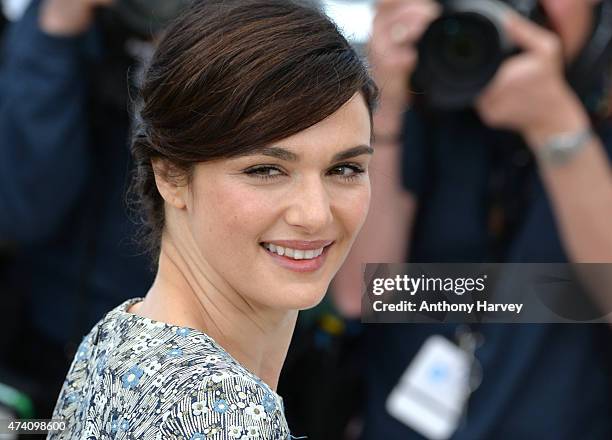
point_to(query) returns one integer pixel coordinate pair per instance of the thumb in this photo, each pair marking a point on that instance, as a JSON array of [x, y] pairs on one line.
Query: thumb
[[528, 35], [554, 10]]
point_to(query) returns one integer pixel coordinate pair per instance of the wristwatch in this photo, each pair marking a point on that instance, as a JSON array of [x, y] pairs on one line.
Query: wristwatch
[[559, 149]]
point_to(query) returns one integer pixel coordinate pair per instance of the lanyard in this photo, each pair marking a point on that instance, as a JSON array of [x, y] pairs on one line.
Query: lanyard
[[469, 339]]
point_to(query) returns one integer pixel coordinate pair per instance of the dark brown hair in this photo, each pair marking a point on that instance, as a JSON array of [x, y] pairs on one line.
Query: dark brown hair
[[231, 76]]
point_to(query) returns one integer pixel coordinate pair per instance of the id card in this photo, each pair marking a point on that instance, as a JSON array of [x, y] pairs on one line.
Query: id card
[[433, 390]]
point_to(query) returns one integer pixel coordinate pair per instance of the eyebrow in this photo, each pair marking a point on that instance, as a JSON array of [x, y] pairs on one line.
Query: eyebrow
[[284, 154]]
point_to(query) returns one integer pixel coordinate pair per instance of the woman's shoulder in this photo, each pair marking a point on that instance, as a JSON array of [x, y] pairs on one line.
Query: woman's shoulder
[[205, 393], [213, 394], [138, 375], [130, 342]]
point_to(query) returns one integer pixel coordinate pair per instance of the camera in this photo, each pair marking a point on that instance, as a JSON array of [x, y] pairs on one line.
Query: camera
[[462, 50]]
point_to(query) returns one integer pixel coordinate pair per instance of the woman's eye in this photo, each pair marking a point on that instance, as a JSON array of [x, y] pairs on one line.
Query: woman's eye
[[348, 171], [264, 172]]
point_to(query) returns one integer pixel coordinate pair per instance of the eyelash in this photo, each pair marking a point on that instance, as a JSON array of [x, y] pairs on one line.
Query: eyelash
[[357, 172]]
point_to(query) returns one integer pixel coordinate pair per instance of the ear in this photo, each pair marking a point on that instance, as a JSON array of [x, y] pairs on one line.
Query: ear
[[170, 183]]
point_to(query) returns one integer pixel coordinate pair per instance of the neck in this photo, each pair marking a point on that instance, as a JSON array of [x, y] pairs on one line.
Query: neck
[[193, 295]]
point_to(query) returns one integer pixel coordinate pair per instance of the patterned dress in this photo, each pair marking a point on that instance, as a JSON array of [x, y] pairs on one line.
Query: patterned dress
[[135, 378]]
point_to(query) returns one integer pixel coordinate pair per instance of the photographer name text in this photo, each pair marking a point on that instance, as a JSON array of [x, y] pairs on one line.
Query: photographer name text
[[444, 306], [458, 286]]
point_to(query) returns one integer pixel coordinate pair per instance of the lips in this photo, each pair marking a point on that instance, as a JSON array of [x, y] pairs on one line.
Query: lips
[[299, 266], [294, 253], [300, 244]]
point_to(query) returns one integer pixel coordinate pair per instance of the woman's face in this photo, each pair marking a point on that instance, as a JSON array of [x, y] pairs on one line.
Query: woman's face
[[301, 194]]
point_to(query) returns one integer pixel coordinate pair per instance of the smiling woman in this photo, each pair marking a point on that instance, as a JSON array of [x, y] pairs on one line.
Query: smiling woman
[[252, 156]]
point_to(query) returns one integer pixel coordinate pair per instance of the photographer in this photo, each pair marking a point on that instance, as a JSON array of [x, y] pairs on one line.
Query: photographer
[[64, 165], [481, 185]]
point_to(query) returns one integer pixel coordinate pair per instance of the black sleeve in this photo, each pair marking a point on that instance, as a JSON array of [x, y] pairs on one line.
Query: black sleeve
[[414, 152], [44, 139]]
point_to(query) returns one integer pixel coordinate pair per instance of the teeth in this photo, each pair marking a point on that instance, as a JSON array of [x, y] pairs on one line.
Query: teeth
[[296, 254]]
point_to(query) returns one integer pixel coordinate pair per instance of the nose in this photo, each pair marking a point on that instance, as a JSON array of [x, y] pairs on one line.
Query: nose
[[309, 206]]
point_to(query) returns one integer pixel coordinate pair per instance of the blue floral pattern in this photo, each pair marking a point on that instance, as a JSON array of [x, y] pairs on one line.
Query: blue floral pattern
[[135, 378]]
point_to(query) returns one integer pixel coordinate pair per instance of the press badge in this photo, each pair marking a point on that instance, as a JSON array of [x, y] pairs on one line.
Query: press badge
[[431, 394]]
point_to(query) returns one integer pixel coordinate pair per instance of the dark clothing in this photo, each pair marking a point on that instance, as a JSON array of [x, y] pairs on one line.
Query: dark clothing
[[2, 26], [64, 163], [481, 200]]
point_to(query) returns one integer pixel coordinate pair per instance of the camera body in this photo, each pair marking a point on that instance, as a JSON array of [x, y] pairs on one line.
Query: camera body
[[462, 50]]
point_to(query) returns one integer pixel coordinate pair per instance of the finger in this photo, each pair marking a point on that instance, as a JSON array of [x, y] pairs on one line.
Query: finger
[[402, 32], [528, 35], [408, 24], [405, 10], [571, 20], [395, 3], [502, 80], [555, 11]]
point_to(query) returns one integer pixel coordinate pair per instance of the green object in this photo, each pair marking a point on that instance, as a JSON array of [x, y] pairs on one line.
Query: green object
[[16, 400]]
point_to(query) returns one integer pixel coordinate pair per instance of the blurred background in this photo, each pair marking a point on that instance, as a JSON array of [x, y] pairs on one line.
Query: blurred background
[[67, 253]]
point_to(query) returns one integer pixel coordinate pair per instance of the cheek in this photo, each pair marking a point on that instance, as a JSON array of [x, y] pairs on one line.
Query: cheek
[[352, 209], [236, 214]]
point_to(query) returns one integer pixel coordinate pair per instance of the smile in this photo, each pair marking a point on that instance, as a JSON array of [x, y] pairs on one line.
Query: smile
[[297, 260], [296, 254]]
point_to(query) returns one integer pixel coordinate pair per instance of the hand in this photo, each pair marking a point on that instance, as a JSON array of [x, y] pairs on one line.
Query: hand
[[68, 17], [529, 93], [398, 26]]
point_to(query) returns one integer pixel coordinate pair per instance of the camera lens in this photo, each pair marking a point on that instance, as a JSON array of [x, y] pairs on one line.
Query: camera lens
[[463, 50], [460, 53]]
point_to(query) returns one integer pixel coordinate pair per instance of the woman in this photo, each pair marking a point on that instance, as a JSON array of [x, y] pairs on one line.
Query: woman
[[252, 156]]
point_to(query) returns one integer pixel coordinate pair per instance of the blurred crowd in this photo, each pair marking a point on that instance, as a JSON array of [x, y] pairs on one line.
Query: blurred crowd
[[451, 182]]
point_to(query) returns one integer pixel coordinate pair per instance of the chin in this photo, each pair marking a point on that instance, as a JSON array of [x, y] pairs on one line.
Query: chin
[[301, 299], [314, 301]]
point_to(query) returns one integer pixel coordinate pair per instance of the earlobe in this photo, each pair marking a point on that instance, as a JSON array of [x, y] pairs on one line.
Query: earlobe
[[169, 183]]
